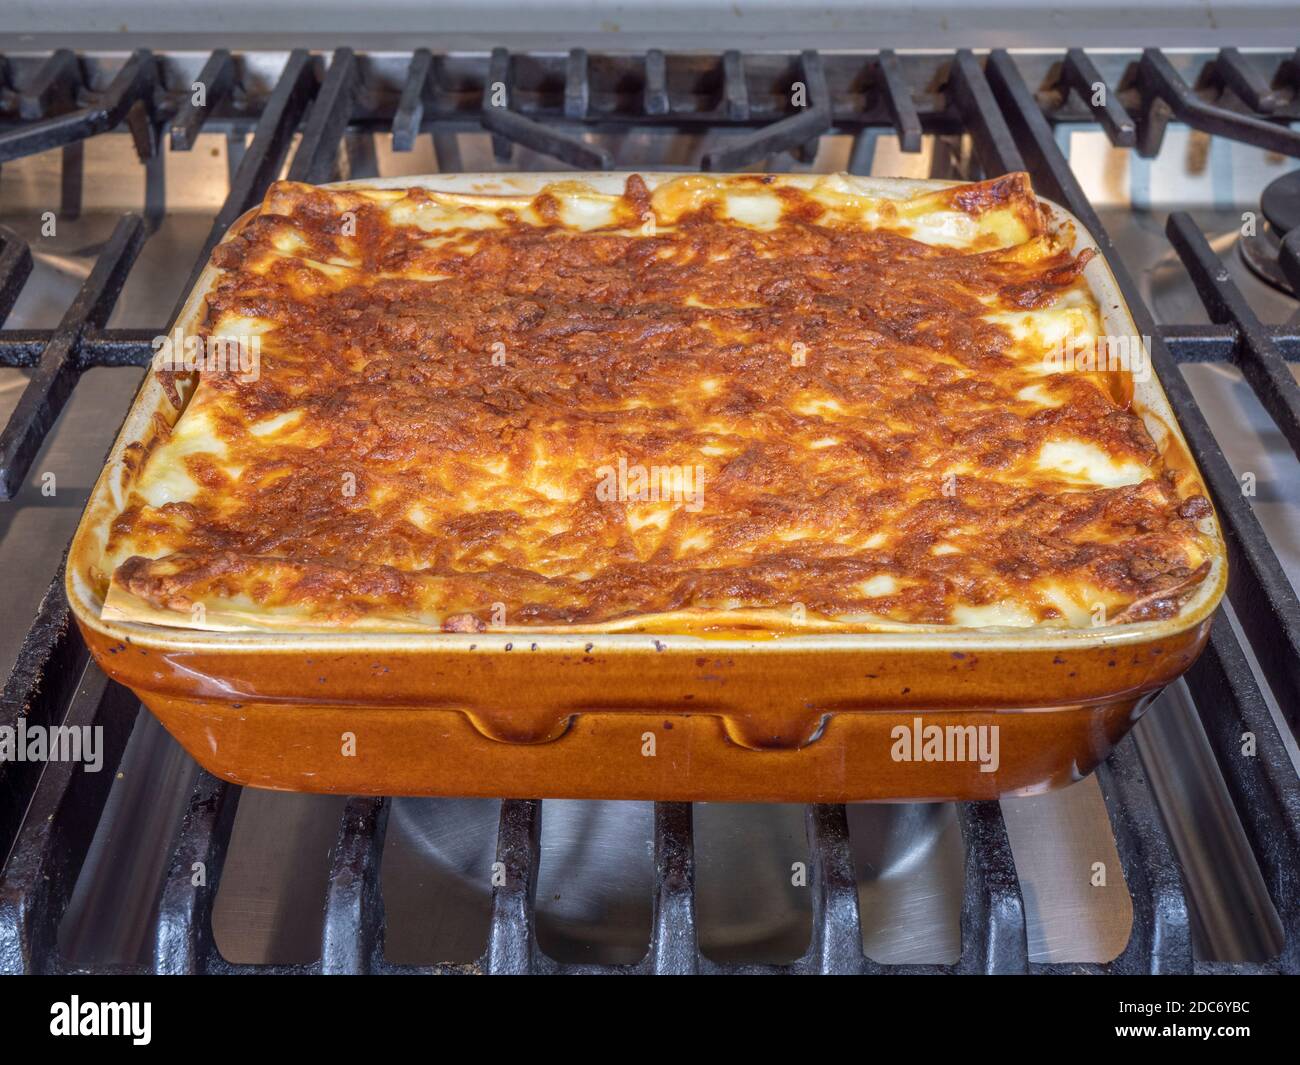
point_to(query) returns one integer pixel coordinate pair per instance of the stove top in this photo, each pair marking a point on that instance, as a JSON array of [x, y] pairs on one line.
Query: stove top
[[1199, 852]]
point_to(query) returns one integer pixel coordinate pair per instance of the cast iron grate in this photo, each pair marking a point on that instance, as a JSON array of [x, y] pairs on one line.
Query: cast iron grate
[[550, 103]]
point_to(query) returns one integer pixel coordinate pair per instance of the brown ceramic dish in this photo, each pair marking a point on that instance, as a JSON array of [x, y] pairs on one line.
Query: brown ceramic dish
[[828, 717]]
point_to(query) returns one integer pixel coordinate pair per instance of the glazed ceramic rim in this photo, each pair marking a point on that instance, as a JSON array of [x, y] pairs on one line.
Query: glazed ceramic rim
[[1149, 400]]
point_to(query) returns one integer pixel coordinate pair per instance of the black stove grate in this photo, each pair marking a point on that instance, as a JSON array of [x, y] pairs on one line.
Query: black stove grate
[[547, 102]]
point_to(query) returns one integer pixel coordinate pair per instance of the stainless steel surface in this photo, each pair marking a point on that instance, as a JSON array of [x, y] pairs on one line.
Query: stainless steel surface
[[1233, 918], [594, 901], [109, 915], [784, 24]]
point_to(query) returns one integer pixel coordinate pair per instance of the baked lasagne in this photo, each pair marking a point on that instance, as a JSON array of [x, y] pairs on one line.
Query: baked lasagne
[[714, 405]]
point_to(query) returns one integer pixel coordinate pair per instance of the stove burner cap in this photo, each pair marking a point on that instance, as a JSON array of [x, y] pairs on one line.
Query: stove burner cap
[[1273, 252], [1280, 203]]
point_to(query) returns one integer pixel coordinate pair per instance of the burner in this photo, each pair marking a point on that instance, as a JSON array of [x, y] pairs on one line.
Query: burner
[[1274, 251]]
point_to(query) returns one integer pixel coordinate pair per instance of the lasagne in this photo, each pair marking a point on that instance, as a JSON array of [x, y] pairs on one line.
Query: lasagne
[[719, 404]]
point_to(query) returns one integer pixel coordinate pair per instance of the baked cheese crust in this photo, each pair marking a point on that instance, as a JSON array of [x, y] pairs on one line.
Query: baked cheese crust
[[727, 404]]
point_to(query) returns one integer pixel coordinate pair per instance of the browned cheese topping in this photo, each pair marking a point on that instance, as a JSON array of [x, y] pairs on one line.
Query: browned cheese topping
[[728, 404]]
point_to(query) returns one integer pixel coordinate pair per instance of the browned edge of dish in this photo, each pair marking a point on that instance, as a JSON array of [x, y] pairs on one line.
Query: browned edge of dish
[[800, 718]]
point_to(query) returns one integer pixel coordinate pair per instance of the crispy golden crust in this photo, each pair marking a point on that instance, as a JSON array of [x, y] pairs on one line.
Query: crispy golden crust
[[576, 411]]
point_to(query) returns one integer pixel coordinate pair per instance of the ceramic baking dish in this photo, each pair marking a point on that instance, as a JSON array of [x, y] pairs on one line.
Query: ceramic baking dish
[[814, 718]]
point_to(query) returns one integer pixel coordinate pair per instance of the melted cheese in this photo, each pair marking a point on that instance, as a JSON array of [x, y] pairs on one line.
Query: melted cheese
[[688, 409], [1087, 464]]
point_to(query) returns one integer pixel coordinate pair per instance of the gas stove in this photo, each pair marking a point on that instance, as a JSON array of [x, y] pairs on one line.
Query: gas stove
[[1178, 855]]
